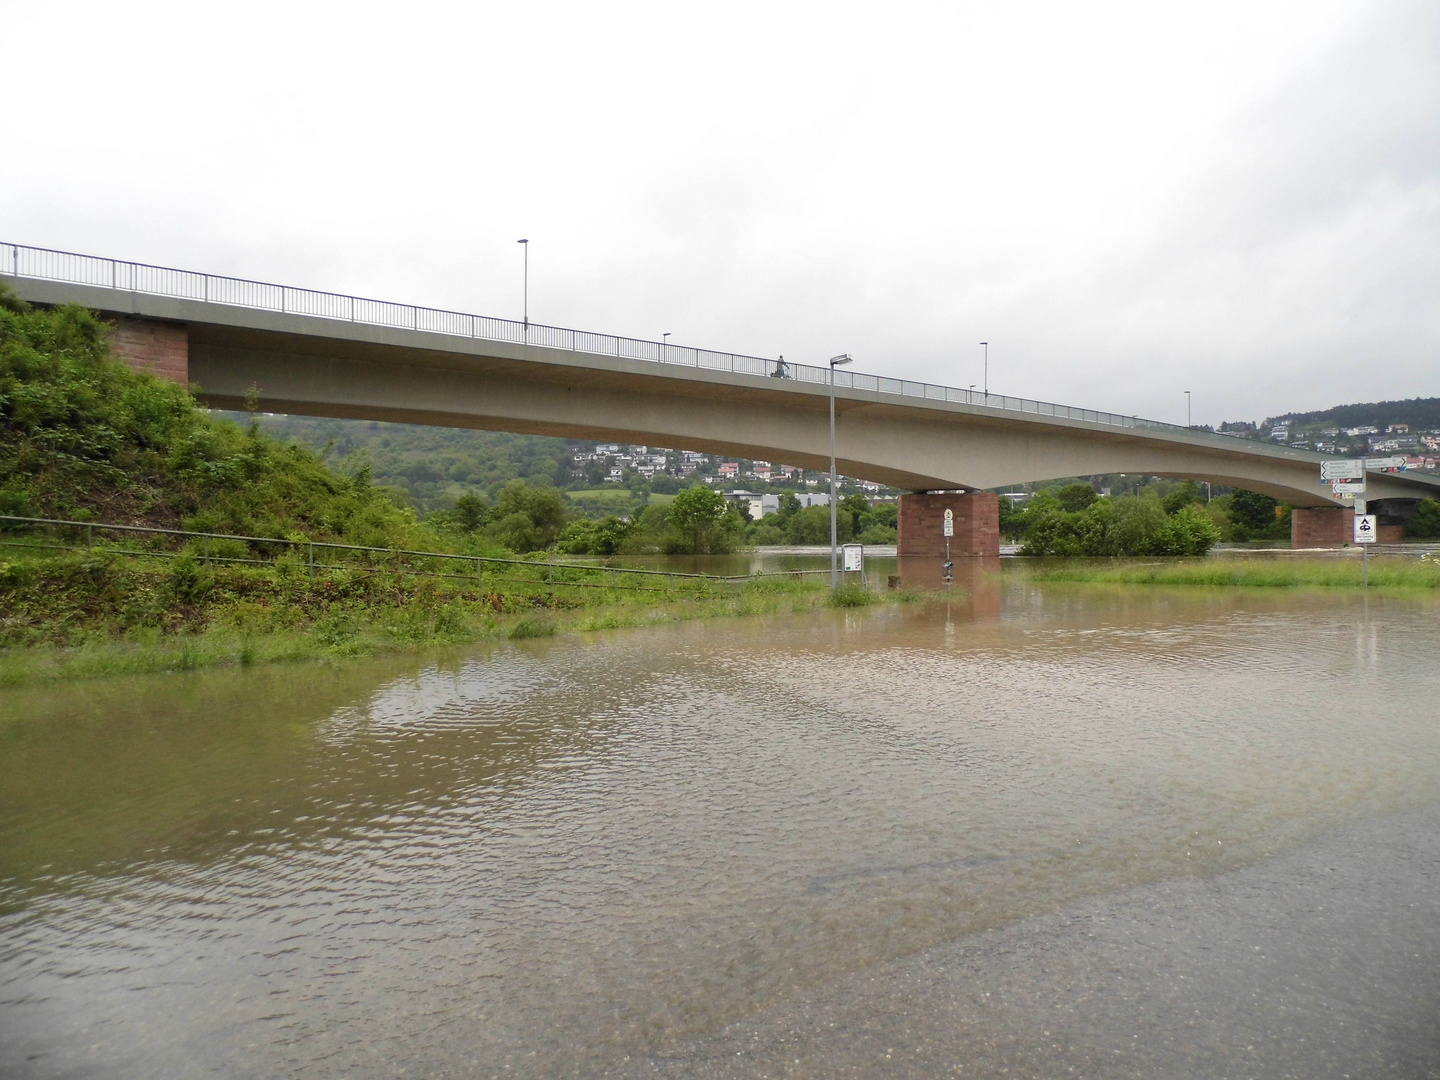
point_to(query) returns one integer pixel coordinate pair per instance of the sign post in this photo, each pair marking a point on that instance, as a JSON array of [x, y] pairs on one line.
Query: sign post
[[1346, 477], [949, 568], [1366, 526]]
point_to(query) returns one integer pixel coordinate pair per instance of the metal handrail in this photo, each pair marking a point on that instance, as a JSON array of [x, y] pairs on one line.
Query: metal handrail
[[49, 264], [90, 526]]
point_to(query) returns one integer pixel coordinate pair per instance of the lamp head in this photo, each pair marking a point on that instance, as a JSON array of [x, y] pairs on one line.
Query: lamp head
[[522, 241], [843, 358]]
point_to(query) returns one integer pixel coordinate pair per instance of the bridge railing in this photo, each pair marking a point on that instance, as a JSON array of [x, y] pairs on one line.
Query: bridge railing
[[20, 260]]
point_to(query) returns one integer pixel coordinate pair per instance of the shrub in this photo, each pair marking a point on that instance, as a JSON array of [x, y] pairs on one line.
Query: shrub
[[852, 594], [1424, 524], [1121, 526]]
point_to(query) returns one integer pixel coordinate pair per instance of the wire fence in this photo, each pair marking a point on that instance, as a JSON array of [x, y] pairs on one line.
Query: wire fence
[[384, 560], [47, 264]]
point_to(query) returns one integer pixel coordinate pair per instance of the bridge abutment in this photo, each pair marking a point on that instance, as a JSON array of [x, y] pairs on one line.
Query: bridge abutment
[[161, 348], [922, 524]]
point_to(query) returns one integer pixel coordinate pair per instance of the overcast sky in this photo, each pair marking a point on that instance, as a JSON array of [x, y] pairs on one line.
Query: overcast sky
[[1127, 200]]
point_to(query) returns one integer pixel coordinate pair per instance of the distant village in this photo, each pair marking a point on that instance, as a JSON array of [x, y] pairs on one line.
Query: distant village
[[756, 487], [1420, 449]]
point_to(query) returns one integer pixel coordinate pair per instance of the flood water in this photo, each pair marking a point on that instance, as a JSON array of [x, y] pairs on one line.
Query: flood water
[[570, 856]]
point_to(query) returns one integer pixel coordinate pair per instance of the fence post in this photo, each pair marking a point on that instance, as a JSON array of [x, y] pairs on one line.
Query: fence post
[[90, 537]]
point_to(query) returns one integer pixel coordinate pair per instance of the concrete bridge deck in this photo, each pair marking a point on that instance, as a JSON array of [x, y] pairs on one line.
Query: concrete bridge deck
[[326, 354]]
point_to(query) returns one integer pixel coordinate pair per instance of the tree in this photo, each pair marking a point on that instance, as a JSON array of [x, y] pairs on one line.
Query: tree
[[857, 506], [1187, 494], [527, 518], [1424, 524], [812, 526], [471, 511], [1252, 511], [1076, 497], [703, 523]]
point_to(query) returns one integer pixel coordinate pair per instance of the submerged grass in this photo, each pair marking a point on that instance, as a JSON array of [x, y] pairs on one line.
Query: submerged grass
[[1339, 573], [250, 617]]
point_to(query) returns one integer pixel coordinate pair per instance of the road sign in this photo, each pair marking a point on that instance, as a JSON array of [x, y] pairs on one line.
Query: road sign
[[1342, 469], [949, 522], [1365, 528], [1348, 487], [1385, 462]]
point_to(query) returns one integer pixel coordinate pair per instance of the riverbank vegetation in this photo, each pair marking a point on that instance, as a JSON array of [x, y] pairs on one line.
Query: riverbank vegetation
[[84, 438], [1286, 573], [87, 613], [1077, 521]]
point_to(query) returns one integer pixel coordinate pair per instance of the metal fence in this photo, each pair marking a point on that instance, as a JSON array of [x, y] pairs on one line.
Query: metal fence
[[46, 264], [310, 548]]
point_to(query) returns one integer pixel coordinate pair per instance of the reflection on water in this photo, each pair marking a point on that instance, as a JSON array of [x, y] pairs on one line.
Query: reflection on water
[[541, 859]]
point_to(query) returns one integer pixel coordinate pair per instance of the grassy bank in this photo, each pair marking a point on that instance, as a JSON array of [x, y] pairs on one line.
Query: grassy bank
[[85, 615], [1287, 573]]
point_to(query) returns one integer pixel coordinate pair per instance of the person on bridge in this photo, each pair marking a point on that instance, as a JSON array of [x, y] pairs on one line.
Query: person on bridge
[[782, 369]]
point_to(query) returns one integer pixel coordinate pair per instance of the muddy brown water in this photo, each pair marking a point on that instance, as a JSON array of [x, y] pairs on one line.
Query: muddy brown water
[[569, 856]]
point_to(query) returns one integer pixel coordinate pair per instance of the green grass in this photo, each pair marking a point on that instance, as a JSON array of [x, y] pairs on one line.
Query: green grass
[[75, 618], [1337, 573]]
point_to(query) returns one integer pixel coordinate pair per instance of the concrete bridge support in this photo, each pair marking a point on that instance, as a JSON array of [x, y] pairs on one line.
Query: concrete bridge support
[[922, 525], [1334, 526]]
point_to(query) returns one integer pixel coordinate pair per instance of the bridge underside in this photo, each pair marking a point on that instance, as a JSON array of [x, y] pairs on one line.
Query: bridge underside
[[915, 446], [324, 367]]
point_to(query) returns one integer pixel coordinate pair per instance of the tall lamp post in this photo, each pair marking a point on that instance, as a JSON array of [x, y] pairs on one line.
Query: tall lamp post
[[986, 346], [1187, 409], [526, 244], [835, 361]]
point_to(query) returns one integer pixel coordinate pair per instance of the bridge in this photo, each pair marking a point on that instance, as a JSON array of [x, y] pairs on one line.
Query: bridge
[[328, 354]]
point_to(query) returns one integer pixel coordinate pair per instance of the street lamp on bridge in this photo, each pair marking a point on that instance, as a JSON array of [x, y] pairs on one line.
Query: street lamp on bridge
[[835, 361], [526, 307], [986, 346]]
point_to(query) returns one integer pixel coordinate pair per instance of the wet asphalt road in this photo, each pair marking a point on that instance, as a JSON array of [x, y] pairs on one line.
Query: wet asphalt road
[[1322, 962]]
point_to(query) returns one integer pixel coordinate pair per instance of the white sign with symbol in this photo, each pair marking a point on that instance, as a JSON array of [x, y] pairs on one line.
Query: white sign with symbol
[[1365, 528], [1343, 469], [949, 522]]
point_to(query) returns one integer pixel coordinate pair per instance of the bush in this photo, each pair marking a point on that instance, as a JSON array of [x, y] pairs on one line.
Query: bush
[[1121, 526], [1424, 524], [852, 594], [767, 534], [531, 627], [526, 518], [589, 537]]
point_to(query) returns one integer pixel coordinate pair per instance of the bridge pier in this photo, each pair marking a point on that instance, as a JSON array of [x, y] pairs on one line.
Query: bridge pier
[[1334, 526], [922, 524], [161, 348]]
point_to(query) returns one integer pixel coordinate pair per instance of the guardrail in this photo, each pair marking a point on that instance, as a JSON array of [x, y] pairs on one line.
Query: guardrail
[[89, 528], [47, 264]]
